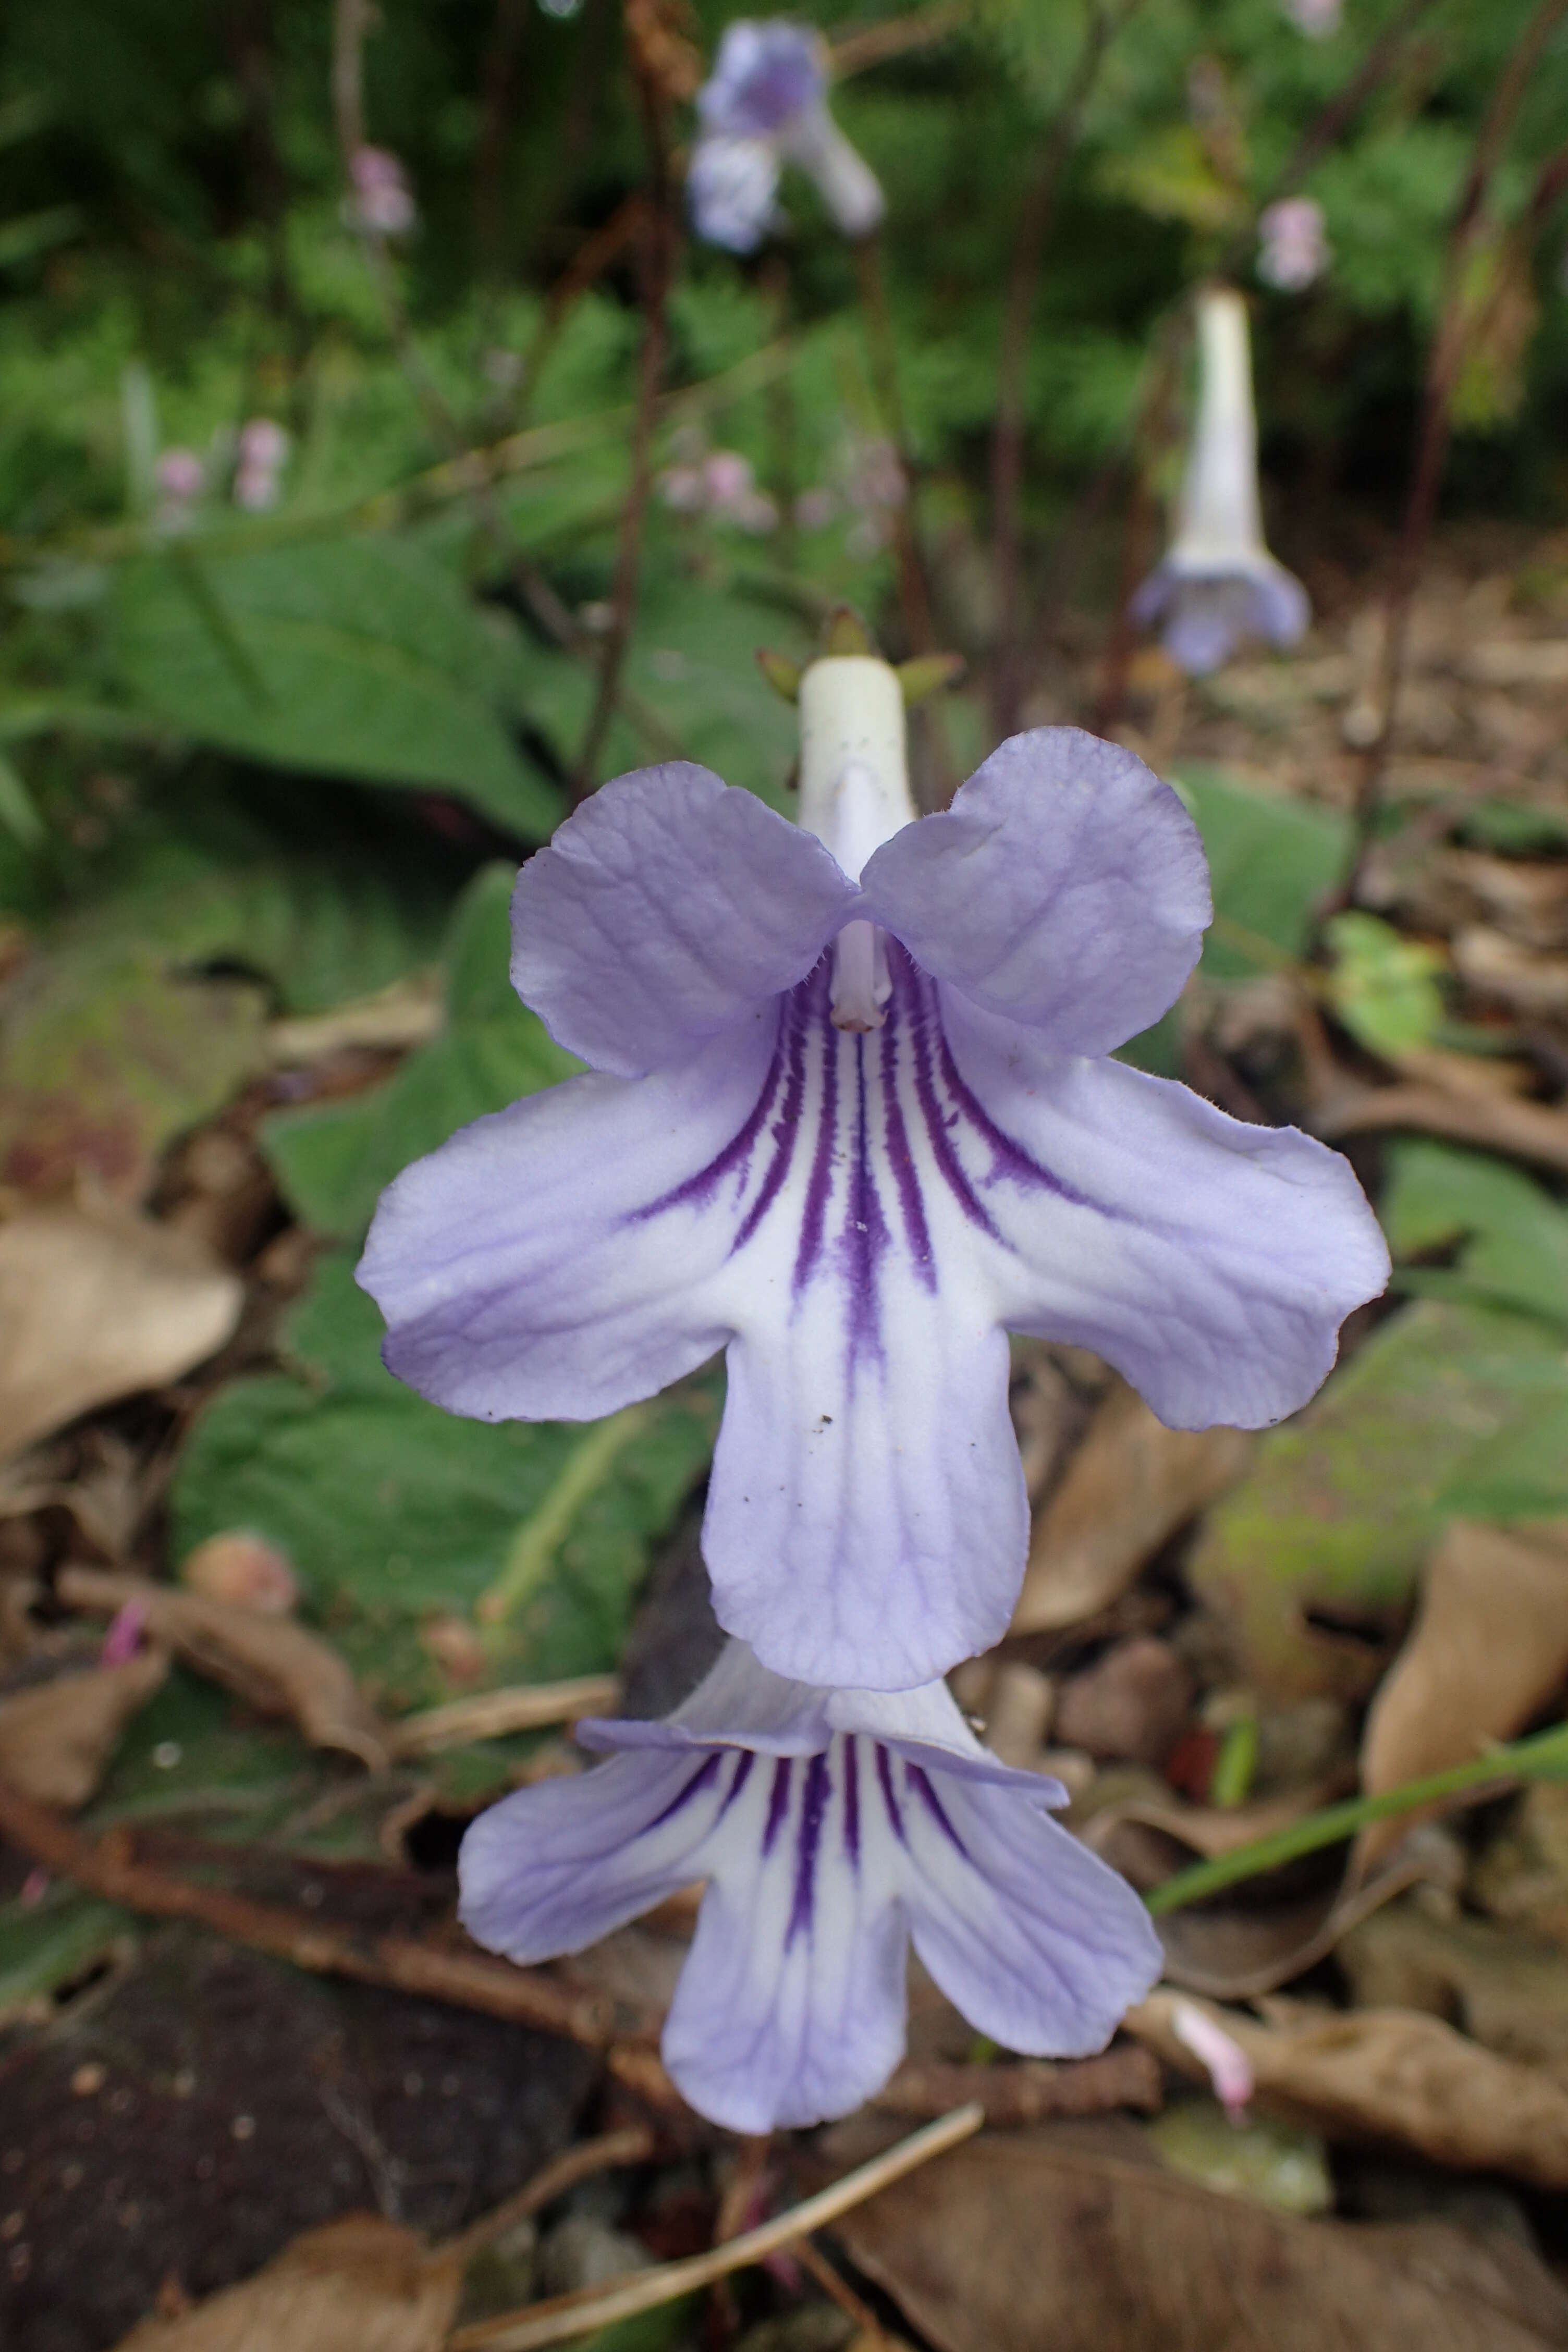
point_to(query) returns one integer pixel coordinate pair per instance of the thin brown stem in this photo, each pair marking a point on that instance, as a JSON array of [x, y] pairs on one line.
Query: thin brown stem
[[660, 243], [914, 590], [496, 103], [633, 2143], [1455, 328], [1034, 219]]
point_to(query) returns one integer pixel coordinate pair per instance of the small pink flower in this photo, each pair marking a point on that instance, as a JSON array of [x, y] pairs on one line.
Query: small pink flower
[[263, 448], [1229, 2067], [123, 1638], [182, 475], [1293, 247], [383, 200], [727, 478]]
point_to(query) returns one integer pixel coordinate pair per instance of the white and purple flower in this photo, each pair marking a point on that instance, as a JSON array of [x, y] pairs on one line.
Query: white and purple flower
[[765, 105], [832, 1828], [1293, 248], [849, 1117], [1218, 584]]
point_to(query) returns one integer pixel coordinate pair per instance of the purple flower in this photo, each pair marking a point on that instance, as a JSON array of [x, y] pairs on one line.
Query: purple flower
[[833, 1827], [382, 202], [263, 452], [1294, 247], [1218, 584], [765, 105], [849, 1117]]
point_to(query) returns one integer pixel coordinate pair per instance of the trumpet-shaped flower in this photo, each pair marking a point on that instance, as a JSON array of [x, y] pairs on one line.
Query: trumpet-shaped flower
[[849, 1117], [765, 105], [1218, 584], [832, 1828]]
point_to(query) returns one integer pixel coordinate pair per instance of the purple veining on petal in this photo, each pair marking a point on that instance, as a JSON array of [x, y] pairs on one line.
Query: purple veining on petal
[[701, 1188], [786, 1127], [813, 1805], [819, 1189], [866, 1235], [919, 1781], [901, 1158], [889, 1798], [706, 1771], [778, 1803], [923, 1019], [742, 1774], [852, 1802], [1010, 1158]]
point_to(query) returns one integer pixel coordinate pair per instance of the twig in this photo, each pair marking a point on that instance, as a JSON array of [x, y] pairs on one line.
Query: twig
[[1338, 114], [895, 39], [870, 2332], [491, 1715], [1034, 218], [566, 2315], [467, 1979], [1521, 1130], [1447, 354], [914, 591], [633, 2143], [1029, 2091], [660, 242], [507, 30]]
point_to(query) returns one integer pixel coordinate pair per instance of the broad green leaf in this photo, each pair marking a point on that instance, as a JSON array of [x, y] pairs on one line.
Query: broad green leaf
[[1515, 1235], [1444, 1402], [48, 1946], [106, 1056], [333, 1162], [391, 1510], [1384, 988], [356, 657], [693, 663]]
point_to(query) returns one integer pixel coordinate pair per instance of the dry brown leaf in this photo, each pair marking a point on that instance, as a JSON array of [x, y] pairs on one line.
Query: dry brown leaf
[[96, 1306], [1526, 978], [1506, 1991], [1130, 1484], [1019, 2244], [359, 2285], [1393, 2074], [274, 1664], [1488, 1645], [57, 1738]]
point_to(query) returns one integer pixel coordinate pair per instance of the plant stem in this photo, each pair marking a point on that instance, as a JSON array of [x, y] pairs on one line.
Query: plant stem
[[1545, 1758]]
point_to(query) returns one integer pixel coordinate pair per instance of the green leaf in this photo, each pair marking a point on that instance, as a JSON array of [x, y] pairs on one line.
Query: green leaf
[[106, 1054], [358, 657], [332, 1162], [391, 1510], [1515, 1234], [1344, 1501], [1384, 988], [693, 663], [48, 1946]]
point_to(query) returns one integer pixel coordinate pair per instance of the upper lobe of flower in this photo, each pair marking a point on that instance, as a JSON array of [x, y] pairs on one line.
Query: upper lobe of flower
[[832, 1828], [767, 73], [853, 1133]]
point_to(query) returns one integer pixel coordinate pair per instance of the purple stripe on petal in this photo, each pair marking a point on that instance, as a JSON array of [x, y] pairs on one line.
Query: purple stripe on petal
[[813, 1805], [889, 1798], [745, 1762], [778, 1803], [852, 1802], [819, 1189], [786, 1127], [1010, 1158], [866, 1235], [901, 1158], [938, 1121], [919, 1780], [701, 1188], [705, 1773]]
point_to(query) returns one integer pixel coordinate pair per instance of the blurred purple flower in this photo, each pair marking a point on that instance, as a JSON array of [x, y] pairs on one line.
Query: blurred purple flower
[[1217, 584], [833, 1827], [1318, 19], [724, 486], [765, 105], [263, 451], [181, 477], [850, 1118], [1293, 247], [383, 201]]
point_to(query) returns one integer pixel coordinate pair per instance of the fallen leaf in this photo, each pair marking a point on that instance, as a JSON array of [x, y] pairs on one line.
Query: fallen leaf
[[1128, 1488], [1508, 1992], [1132, 1703], [1012, 2246], [359, 2285], [1521, 977], [1392, 2074], [97, 1306], [275, 1666], [1488, 1645], [56, 1738], [244, 1570]]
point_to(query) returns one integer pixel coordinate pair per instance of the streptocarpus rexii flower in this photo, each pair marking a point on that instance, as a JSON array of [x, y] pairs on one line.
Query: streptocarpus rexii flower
[[850, 1117], [765, 105], [1218, 584], [832, 1828]]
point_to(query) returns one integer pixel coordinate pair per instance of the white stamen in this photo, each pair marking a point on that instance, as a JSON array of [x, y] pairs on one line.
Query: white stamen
[[854, 795]]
